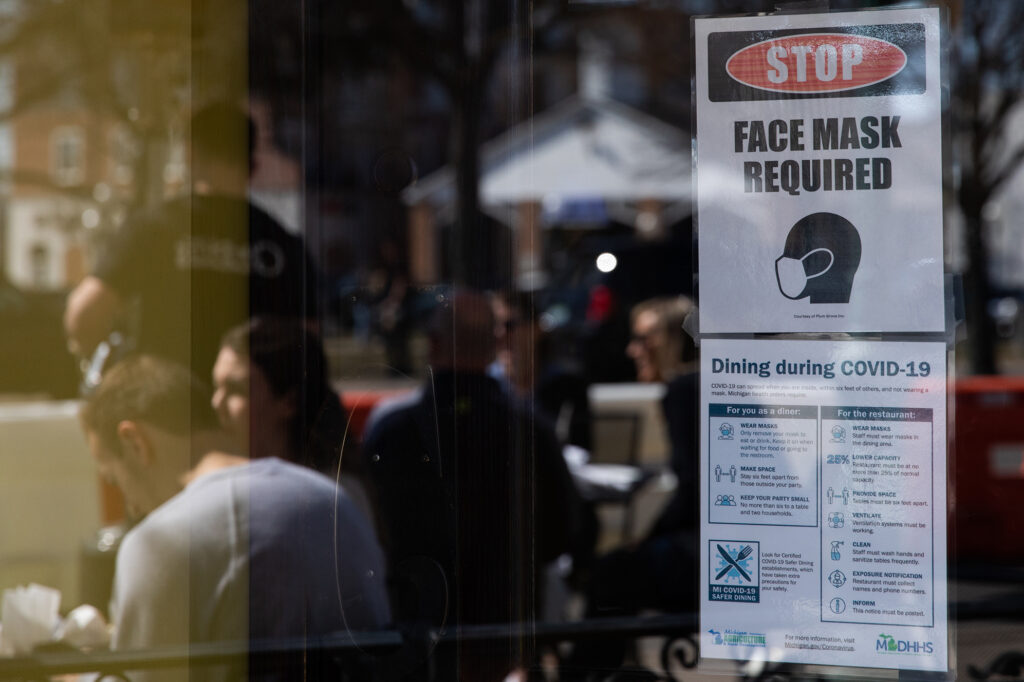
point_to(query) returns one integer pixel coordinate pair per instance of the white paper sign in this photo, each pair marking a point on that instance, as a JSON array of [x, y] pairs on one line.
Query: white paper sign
[[823, 490], [819, 172]]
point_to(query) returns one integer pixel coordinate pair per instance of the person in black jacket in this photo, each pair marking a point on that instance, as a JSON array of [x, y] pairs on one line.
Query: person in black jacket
[[174, 279], [538, 371], [473, 497]]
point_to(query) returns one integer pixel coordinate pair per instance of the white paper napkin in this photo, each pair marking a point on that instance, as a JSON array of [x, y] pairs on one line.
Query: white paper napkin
[[29, 616]]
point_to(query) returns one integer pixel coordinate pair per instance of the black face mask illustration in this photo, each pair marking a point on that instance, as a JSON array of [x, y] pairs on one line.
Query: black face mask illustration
[[820, 259]]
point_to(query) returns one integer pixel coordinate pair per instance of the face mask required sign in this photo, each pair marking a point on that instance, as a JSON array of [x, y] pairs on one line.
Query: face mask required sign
[[823, 503], [818, 165]]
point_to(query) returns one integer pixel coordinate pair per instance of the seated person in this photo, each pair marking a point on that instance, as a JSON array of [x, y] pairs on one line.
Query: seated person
[[274, 370], [243, 550], [664, 353], [473, 497], [538, 369], [659, 572]]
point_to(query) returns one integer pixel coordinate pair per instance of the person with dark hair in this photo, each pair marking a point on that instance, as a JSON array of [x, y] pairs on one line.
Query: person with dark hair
[[473, 497], [221, 134], [271, 392], [245, 550], [554, 385], [171, 281], [272, 395]]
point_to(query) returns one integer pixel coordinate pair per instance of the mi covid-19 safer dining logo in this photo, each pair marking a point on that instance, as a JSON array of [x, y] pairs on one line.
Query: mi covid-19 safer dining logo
[[734, 571], [852, 61]]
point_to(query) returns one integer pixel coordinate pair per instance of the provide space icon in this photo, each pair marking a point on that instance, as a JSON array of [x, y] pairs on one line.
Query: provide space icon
[[821, 256], [831, 494]]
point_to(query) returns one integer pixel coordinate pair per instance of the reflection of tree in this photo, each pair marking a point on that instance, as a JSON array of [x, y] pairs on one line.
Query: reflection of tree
[[46, 42], [455, 45], [120, 67], [125, 72], [988, 73]]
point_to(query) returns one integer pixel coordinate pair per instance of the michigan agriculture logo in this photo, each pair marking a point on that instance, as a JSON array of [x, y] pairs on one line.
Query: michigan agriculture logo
[[888, 644], [738, 638]]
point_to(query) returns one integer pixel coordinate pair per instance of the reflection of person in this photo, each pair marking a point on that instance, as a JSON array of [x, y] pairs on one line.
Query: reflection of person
[[659, 572], [656, 346], [272, 395], [271, 392], [186, 571], [528, 362], [394, 309], [175, 279], [664, 353], [473, 495]]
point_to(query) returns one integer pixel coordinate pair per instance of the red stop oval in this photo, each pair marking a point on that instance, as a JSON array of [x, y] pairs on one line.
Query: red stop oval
[[816, 62]]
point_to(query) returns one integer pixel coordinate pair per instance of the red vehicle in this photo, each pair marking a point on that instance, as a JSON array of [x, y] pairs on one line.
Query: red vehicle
[[987, 469]]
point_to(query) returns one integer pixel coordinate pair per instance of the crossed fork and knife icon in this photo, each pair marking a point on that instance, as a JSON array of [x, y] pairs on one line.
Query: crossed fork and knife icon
[[733, 564]]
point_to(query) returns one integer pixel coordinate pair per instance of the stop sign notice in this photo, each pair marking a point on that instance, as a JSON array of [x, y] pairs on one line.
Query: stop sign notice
[[804, 123], [866, 60], [822, 62]]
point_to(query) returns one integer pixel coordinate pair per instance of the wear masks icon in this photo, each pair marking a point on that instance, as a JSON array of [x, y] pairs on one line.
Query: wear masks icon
[[791, 273], [819, 260]]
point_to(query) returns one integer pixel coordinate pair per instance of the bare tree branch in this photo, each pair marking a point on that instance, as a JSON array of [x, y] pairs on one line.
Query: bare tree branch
[[996, 178]]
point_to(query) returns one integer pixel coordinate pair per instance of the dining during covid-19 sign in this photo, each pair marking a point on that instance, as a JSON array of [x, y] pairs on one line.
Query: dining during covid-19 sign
[[818, 165], [823, 535]]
